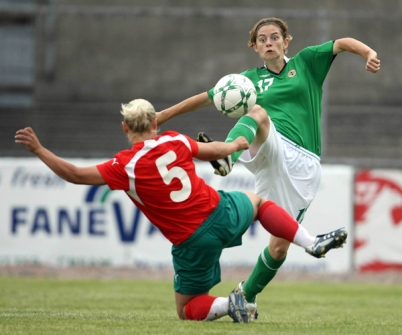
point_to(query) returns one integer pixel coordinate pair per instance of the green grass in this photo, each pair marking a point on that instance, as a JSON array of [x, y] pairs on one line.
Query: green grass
[[56, 306]]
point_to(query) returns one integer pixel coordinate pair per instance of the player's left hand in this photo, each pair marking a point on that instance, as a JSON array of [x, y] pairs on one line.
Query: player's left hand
[[373, 63], [28, 138]]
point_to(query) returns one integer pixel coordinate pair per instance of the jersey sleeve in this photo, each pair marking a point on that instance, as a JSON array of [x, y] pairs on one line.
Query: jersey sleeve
[[193, 145], [114, 174], [319, 60]]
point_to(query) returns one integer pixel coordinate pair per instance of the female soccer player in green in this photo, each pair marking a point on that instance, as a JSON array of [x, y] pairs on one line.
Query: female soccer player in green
[[283, 129]]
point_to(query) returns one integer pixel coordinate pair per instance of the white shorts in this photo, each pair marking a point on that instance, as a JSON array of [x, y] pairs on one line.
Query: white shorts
[[285, 173]]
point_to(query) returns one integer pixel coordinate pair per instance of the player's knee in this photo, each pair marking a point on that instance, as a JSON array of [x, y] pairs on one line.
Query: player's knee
[[259, 114], [278, 254], [278, 251], [181, 315]]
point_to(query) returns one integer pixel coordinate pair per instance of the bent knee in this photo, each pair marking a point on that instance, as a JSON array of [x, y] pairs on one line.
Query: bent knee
[[279, 249], [181, 315], [259, 114]]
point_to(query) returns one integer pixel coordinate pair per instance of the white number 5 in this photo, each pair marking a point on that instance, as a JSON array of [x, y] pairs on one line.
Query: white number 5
[[175, 172]]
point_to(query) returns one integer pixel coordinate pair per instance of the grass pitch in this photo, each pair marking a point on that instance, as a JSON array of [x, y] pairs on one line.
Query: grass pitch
[[61, 306]]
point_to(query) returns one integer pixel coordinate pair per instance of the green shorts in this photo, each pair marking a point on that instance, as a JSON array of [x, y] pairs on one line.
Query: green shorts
[[196, 260]]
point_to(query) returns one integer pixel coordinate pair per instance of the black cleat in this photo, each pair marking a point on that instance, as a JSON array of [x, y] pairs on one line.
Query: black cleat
[[326, 242]]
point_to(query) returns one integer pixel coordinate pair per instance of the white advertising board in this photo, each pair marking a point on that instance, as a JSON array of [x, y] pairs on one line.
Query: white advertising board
[[48, 221]]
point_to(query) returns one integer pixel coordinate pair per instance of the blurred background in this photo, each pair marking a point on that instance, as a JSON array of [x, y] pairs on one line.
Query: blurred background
[[66, 66]]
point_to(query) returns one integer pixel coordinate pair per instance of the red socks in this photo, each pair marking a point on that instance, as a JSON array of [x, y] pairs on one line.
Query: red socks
[[277, 221], [199, 307]]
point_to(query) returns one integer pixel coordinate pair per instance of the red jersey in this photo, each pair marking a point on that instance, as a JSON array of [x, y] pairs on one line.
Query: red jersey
[[159, 177]]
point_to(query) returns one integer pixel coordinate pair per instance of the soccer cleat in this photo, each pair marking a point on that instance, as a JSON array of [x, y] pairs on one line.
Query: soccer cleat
[[221, 166], [240, 310], [326, 242]]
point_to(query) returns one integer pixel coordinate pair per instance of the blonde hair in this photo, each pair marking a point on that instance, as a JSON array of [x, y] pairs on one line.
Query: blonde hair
[[282, 25], [138, 115]]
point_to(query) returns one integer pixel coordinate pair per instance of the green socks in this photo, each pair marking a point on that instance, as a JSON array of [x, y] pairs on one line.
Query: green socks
[[247, 127], [263, 272]]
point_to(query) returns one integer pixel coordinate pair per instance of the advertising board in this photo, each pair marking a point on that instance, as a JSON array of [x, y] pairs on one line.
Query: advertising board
[[45, 220]]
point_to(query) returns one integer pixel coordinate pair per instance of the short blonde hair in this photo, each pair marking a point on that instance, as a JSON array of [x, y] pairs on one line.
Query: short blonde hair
[[138, 115]]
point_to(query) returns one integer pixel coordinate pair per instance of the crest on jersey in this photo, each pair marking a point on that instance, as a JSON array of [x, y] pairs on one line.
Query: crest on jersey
[[291, 73]]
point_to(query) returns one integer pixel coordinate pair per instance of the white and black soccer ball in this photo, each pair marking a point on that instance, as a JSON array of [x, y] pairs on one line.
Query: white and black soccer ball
[[234, 95]]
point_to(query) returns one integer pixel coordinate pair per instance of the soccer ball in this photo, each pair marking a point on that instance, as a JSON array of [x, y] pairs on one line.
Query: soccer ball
[[234, 95]]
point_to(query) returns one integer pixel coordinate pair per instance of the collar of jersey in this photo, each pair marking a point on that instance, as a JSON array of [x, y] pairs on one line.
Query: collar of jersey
[[286, 61]]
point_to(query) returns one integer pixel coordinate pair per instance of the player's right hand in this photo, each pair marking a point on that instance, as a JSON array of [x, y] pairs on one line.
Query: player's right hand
[[242, 143]]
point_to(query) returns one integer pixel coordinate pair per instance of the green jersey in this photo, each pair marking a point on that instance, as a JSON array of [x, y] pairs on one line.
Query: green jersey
[[293, 97]]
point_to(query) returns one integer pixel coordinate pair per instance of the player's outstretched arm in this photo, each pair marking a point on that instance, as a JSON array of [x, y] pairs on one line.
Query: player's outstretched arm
[[357, 47], [67, 171], [191, 104], [218, 150]]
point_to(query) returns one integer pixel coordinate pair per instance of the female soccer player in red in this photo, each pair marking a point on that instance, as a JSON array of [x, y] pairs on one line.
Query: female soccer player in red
[[158, 174]]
